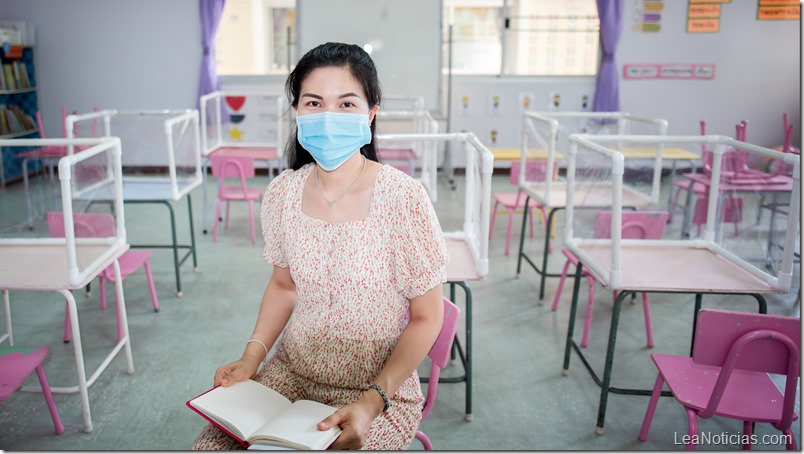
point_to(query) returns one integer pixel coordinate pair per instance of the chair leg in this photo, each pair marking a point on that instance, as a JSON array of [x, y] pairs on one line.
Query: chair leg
[[532, 223], [747, 431], [428, 446], [692, 428], [590, 306], [51, 405], [654, 399], [151, 287], [102, 285], [217, 221], [508, 231], [791, 439], [226, 223], [560, 286], [251, 221], [648, 325], [67, 330], [119, 321], [493, 217]]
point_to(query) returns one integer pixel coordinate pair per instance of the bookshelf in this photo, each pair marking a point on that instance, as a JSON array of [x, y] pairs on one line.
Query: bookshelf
[[18, 107]]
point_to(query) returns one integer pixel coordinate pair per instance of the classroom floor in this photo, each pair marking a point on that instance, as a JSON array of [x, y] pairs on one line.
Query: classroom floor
[[520, 399]]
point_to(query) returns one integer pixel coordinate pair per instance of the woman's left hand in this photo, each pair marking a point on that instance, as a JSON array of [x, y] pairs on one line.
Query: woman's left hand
[[355, 419]]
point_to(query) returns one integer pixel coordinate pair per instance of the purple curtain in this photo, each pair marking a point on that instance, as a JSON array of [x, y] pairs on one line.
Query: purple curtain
[[607, 87], [211, 12]]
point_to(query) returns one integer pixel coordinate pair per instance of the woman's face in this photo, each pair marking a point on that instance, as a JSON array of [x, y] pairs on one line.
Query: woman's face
[[333, 89]]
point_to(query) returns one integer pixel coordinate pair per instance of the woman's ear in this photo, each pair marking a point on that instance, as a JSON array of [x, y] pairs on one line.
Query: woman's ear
[[373, 113]]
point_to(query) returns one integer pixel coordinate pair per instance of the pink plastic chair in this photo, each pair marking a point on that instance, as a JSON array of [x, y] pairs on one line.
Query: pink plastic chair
[[512, 201], [16, 364], [88, 225], [234, 167], [439, 356], [635, 225], [728, 373]]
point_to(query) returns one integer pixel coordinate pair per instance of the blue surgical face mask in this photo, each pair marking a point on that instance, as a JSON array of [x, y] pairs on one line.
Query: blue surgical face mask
[[333, 137]]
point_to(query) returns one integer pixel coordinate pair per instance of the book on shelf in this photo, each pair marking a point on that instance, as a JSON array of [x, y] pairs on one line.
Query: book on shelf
[[8, 73], [260, 418]]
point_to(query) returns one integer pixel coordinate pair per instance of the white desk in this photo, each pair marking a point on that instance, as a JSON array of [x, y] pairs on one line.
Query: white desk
[[38, 266]]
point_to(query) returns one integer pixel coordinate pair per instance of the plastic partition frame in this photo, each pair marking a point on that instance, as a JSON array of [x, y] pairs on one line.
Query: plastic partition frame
[[425, 151], [551, 119], [612, 277], [177, 118]]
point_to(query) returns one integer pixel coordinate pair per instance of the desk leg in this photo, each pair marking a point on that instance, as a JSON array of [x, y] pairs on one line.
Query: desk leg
[[546, 254], [576, 285], [123, 316], [606, 385], [192, 231], [522, 239], [27, 193], [204, 213], [685, 223], [466, 356], [179, 293], [79, 355], [7, 315]]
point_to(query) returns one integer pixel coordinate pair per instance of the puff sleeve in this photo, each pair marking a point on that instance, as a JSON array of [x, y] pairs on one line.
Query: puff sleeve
[[420, 249], [272, 211]]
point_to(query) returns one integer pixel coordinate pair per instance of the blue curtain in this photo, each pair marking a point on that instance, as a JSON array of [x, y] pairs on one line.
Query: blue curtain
[[607, 86], [211, 12]]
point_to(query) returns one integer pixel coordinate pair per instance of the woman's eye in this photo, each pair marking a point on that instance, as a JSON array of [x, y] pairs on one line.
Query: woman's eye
[[348, 104], [314, 104]]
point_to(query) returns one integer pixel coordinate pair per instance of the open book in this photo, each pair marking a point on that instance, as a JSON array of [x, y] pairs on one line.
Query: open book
[[257, 415]]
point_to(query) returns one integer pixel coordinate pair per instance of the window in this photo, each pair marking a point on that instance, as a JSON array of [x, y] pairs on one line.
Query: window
[[256, 37], [523, 37]]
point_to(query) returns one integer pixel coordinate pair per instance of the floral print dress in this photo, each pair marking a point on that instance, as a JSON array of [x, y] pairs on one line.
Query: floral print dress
[[354, 281]]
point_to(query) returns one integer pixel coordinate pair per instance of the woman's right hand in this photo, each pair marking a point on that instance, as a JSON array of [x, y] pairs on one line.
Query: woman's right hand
[[240, 370]]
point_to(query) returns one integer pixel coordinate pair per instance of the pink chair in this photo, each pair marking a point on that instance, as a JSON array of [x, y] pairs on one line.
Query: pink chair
[[512, 201], [234, 167], [16, 364], [635, 225], [89, 225], [439, 356], [728, 373]]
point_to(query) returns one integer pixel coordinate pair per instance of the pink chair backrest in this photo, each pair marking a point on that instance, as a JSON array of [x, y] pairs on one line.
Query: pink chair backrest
[[232, 167], [749, 341], [534, 171], [41, 126], [636, 225], [87, 225], [441, 350]]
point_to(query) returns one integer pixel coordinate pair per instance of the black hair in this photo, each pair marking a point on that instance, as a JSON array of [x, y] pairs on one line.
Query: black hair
[[363, 70]]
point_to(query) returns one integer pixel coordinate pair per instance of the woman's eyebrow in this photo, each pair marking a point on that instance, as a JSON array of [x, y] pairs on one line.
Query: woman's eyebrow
[[311, 95], [349, 95]]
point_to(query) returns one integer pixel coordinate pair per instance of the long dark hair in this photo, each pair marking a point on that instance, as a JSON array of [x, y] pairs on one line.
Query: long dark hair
[[362, 68]]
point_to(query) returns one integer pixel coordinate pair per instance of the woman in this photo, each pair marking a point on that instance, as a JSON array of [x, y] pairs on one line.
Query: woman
[[355, 245]]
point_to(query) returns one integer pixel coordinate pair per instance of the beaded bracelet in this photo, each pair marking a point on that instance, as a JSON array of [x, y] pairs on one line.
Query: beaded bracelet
[[385, 401]]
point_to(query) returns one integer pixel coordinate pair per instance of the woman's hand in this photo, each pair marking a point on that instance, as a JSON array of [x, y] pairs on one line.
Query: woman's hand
[[240, 370], [355, 419]]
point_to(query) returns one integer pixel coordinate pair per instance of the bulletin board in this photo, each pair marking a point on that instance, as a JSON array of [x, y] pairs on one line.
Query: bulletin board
[[405, 37]]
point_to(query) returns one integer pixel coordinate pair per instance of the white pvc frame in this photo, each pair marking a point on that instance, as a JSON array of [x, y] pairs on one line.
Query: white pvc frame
[[214, 98], [612, 277], [426, 152], [551, 121], [75, 275], [177, 118], [475, 232]]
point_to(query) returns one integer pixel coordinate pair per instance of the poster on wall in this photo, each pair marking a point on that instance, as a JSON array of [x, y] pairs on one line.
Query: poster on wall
[[525, 102], [495, 100], [465, 106], [648, 15], [493, 137], [703, 16], [778, 10], [669, 71]]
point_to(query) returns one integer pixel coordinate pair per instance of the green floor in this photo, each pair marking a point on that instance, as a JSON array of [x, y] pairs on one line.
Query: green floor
[[520, 399]]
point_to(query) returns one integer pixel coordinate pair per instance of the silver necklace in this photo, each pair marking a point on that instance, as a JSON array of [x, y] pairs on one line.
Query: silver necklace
[[351, 186]]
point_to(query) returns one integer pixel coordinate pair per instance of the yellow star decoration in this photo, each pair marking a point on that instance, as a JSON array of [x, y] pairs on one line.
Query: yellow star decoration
[[235, 134]]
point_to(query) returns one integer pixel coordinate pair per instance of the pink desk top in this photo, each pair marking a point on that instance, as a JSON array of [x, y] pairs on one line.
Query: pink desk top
[[779, 183], [675, 268], [396, 153], [38, 266], [597, 195], [266, 153], [461, 266]]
